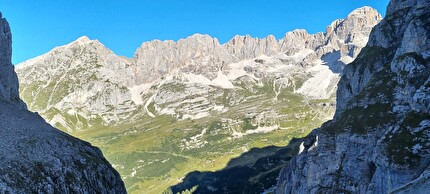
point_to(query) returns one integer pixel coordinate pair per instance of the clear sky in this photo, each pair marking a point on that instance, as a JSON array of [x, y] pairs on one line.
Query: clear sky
[[122, 25]]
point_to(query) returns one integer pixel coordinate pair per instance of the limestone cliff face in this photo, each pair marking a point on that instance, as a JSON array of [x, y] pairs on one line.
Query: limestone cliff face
[[202, 54], [37, 158], [345, 36], [245, 47], [198, 54], [379, 139]]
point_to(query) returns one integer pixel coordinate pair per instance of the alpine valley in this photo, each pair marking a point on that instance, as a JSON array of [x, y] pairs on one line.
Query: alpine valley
[[194, 105]]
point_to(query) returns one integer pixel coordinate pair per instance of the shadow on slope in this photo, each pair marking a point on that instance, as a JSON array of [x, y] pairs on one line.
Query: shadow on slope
[[253, 172], [332, 61]]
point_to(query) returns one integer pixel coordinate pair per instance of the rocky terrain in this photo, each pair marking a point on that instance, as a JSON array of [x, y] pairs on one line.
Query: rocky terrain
[[379, 139], [37, 158], [194, 101]]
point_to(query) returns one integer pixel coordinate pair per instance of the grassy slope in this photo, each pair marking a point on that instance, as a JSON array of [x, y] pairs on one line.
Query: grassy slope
[[151, 154]]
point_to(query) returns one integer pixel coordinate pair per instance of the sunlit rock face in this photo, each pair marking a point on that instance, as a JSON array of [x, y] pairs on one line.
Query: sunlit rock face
[[379, 139], [37, 158]]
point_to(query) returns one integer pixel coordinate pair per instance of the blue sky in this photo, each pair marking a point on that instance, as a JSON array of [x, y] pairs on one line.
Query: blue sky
[[122, 25]]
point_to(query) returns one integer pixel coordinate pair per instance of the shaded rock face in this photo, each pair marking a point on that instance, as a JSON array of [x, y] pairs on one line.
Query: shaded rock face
[[8, 79], [379, 139], [37, 158]]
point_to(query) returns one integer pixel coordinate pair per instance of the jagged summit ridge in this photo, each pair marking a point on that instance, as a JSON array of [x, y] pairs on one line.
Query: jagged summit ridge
[[341, 35]]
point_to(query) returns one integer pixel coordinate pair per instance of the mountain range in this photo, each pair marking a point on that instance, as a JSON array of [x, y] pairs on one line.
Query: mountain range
[[194, 104], [344, 111], [379, 138], [85, 80]]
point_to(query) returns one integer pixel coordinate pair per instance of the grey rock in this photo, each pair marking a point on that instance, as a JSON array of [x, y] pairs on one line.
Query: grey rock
[[8, 79], [379, 139], [37, 158]]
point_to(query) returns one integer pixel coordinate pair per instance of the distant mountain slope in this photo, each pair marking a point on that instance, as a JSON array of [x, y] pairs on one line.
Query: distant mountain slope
[[37, 158], [379, 139]]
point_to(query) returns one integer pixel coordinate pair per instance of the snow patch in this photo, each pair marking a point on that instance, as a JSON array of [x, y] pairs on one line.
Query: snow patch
[[315, 144], [302, 147]]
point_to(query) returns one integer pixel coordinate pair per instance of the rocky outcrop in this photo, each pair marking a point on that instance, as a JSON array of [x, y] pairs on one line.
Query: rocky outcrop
[[198, 54], [37, 158], [379, 139], [246, 47], [8, 80]]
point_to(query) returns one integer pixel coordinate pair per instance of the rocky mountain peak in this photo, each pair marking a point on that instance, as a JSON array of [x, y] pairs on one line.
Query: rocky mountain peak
[[82, 39], [196, 45], [355, 27], [8, 79], [297, 32], [35, 157], [199, 54], [365, 12], [203, 39], [6, 42], [299, 39], [245, 47], [86, 42]]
